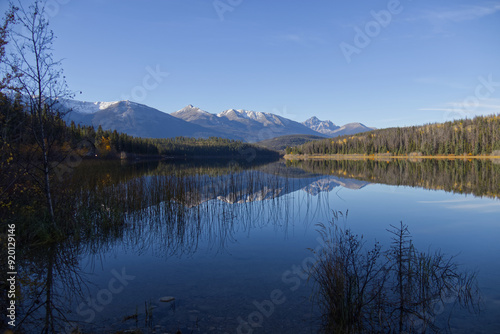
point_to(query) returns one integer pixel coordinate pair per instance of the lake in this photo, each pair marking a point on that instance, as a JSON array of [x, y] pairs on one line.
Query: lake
[[232, 242]]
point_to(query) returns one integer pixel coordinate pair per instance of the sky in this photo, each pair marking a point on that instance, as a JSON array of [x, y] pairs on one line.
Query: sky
[[383, 63]]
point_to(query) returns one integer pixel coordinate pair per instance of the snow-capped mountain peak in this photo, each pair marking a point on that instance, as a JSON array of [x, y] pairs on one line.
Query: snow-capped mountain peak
[[85, 107], [316, 122], [104, 105], [198, 116], [257, 116], [194, 114], [330, 129], [325, 127], [234, 113], [190, 109]]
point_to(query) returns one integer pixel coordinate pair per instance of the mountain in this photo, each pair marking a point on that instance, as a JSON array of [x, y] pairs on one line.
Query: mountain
[[351, 129], [197, 116], [325, 127], [250, 126], [331, 130], [133, 118]]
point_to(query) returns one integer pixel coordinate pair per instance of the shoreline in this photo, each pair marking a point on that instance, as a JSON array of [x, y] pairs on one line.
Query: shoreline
[[383, 157]]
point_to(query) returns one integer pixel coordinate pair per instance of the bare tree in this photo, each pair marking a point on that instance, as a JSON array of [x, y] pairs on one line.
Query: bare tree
[[6, 75], [41, 82], [5, 79]]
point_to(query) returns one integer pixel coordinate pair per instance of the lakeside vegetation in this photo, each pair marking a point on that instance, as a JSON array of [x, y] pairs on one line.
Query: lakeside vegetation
[[477, 136], [401, 289]]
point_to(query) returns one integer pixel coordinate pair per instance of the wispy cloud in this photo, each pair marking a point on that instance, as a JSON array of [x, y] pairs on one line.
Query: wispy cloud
[[445, 201], [468, 107], [429, 80], [298, 38], [484, 207], [463, 13], [301, 38], [466, 13], [466, 204], [440, 19]]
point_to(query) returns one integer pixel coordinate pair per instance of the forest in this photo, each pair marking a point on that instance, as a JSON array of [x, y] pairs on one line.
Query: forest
[[477, 136], [107, 143]]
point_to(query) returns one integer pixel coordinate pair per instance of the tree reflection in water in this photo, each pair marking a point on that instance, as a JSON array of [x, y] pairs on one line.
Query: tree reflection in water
[[169, 210]]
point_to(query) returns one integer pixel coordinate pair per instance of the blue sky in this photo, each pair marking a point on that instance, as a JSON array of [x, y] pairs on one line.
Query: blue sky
[[382, 63]]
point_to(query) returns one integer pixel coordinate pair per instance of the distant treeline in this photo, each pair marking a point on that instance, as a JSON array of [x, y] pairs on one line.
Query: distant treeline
[[111, 143], [478, 136]]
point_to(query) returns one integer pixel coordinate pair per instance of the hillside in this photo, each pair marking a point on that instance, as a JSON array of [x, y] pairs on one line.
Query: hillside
[[478, 136], [282, 142]]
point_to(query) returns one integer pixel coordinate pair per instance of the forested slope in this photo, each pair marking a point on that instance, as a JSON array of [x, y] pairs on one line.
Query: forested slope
[[478, 136]]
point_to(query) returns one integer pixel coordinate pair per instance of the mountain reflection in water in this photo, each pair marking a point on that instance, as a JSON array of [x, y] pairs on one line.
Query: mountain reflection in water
[[213, 220]]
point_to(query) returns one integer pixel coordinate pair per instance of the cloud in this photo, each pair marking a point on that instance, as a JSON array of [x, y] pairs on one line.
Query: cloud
[[467, 14], [443, 82], [298, 38], [445, 201], [469, 107], [463, 13], [440, 19], [466, 204], [301, 38]]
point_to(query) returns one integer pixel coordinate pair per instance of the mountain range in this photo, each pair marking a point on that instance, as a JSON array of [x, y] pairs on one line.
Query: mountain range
[[251, 126], [329, 129]]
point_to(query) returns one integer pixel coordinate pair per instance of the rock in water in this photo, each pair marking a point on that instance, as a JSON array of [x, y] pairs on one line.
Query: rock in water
[[167, 299]]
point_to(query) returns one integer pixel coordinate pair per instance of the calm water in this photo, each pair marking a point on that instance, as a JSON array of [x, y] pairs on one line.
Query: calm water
[[230, 244]]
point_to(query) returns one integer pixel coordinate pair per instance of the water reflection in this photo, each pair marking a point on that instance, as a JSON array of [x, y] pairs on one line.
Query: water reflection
[[362, 288], [47, 283], [471, 176], [178, 210]]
